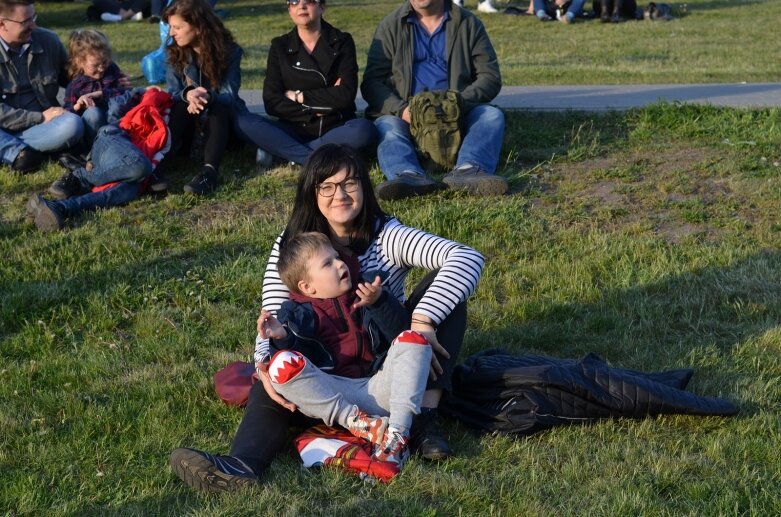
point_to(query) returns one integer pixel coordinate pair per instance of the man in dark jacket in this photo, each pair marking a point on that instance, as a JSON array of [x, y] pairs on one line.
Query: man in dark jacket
[[434, 45], [33, 65]]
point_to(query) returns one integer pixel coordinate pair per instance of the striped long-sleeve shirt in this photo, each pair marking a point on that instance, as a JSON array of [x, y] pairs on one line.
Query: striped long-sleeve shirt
[[395, 251]]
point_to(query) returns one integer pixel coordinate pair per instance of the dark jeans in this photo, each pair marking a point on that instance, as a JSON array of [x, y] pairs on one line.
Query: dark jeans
[[218, 119], [117, 195], [263, 431], [281, 139]]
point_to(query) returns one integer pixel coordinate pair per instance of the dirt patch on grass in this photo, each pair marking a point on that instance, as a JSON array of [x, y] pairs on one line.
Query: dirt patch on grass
[[670, 192], [228, 212]]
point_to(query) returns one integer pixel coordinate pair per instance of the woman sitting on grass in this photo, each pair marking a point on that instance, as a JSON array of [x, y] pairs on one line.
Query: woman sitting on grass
[[335, 197], [310, 86], [203, 75]]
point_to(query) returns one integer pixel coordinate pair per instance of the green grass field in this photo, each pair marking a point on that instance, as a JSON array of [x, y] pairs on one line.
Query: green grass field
[[649, 237]]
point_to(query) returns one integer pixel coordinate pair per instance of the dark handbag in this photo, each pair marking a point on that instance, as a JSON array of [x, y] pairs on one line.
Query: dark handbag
[[234, 382]]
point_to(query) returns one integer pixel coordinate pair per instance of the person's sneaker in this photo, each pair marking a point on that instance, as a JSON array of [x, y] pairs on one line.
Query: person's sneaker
[[604, 17], [406, 184], [616, 18], [71, 162], [394, 448], [543, 16], [368, 427], [67, 186], [263, 159], [110, 17], [46, 215], [204, 183], [158, 184], [486, 7], [137, 17], [206, 472], [458, 2], [470, 179], [427, 437], [28, 160], [154, 19]]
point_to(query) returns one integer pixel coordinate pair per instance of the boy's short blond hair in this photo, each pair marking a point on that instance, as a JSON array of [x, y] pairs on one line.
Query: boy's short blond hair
[[294, 257]]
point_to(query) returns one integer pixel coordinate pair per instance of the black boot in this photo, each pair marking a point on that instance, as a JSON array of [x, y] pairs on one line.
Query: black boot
[[427, 437]]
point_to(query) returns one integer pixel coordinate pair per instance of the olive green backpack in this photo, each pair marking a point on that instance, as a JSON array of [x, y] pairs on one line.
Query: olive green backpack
[[435, 124]]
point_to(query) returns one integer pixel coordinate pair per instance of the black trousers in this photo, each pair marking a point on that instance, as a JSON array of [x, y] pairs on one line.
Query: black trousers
[[264, 428], [219, 124]]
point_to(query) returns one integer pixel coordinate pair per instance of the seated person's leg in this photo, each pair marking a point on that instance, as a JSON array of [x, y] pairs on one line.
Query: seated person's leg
[[358, 133], [396, 149], [479, 154], [94, 118], [58, 134], [114, 158], [51, 215], [18, 155], [272, 136], [317, 394]]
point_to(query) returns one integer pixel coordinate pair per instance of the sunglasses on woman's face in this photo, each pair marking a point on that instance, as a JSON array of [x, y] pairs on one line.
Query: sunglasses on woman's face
[[305, 2]]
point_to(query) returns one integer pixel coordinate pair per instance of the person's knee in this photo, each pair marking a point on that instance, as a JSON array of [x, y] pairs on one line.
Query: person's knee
[[389, 124], [70, 129], [285, 366], [411, 337]]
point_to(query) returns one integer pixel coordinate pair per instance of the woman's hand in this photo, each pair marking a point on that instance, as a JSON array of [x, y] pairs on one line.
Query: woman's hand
[[425, 326], [269, 327], [368, 293], [295, 96], [262, 371], [197, 99]]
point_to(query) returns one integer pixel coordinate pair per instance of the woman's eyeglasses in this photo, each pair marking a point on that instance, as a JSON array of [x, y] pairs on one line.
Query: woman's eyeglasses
[[328, 188], [305, 2]]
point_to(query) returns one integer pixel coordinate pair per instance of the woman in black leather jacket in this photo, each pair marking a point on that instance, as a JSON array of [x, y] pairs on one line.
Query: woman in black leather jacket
[[310, 87]]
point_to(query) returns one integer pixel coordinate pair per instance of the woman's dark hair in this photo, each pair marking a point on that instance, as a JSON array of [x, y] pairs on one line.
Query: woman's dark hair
[[215, 42], [323, 163]]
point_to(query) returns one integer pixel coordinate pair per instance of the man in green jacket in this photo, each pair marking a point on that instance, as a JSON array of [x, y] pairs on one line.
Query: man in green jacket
[[33, 66], [434, 45]]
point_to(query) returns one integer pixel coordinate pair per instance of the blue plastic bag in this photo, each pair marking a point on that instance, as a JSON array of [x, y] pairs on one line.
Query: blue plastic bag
[[153, 64]]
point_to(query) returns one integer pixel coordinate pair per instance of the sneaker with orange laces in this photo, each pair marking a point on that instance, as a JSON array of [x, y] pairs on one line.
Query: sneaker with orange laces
[[394, 448], [368, 427]]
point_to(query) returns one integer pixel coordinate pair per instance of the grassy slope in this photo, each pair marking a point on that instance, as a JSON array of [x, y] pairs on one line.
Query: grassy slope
[[712, 41], [650, 238]]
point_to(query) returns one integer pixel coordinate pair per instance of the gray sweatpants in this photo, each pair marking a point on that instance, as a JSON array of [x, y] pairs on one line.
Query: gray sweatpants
[[395, 391]]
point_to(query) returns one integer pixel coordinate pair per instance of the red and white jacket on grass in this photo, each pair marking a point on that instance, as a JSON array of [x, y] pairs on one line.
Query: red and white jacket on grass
[[147, 127]]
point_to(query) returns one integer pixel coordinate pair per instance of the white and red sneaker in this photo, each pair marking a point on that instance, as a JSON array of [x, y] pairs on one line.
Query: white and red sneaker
[[368, 427]]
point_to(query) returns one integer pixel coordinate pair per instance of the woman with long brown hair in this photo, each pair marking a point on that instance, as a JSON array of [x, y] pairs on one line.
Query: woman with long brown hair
[[204, 76]]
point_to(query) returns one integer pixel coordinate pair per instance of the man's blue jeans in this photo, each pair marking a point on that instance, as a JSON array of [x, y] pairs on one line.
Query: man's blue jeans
[[483, 135], [279, 138], [56, 135], [114, 158]]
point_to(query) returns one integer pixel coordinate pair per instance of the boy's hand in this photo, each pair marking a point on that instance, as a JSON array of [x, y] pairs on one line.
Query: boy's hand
[[262, 370], [367, 293], [269, 327]]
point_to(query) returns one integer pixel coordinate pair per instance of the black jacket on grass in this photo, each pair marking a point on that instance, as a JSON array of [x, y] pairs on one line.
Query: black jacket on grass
[[525, 394]]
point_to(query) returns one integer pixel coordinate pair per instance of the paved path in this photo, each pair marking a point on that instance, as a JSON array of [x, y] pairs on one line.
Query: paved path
[[619, 97]]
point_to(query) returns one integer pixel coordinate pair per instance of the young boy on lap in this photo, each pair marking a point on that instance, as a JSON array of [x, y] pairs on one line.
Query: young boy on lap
[[333, 360]]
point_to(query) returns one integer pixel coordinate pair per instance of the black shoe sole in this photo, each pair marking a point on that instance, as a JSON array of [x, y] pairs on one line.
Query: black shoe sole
[[391, 191], [199, 473], [485, 186]]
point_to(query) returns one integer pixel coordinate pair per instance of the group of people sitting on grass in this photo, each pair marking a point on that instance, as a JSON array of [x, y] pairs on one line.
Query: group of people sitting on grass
[[331, 347], [309, 96]]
